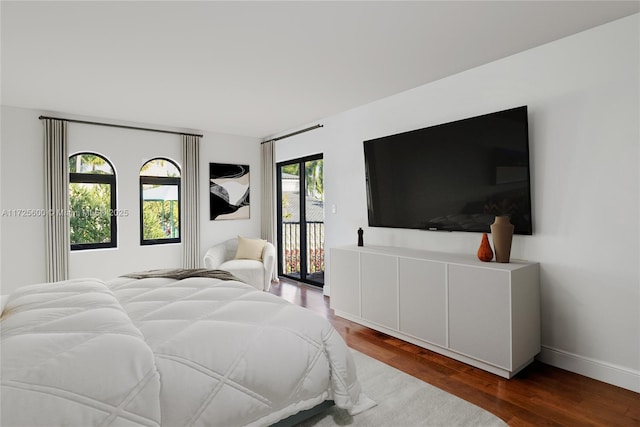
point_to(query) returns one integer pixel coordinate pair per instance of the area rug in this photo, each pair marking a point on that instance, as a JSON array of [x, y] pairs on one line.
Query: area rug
[[403, 400]]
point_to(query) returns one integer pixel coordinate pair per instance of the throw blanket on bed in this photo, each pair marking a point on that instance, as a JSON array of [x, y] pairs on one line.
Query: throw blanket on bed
[[183, 273], [160, 351]]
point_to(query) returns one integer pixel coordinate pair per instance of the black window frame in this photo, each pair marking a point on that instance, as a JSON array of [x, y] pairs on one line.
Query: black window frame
[[303, 276], [160, 180], [95, 178]]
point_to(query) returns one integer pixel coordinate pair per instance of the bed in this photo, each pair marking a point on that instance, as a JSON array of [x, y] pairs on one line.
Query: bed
[[192, 349]]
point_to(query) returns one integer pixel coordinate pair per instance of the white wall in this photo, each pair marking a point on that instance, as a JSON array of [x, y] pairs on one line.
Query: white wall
[[0, 202], [22, 182], [22, 252], [583, 95], [222, 148]]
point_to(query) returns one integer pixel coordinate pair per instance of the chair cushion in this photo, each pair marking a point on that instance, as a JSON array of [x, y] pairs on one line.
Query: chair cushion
[[250, 248], [248, 270]]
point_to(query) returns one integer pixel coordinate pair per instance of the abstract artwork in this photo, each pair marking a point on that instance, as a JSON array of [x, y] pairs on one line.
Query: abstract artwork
[[228, 191]]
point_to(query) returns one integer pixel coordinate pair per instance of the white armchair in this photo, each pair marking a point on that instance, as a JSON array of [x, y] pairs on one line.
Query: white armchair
[[257, 273]]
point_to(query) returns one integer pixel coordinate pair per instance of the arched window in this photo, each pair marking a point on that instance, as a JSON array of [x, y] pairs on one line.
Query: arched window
[[92, 202], [159, 202]]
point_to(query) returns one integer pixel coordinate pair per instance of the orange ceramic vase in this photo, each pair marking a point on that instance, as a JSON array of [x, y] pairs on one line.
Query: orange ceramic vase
[[484, 251]]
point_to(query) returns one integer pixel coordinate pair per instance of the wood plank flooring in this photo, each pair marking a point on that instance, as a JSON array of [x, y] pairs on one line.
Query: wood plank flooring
[[540, 395]]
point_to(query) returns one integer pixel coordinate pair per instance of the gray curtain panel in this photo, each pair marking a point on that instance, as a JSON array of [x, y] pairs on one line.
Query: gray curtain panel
[[190, 201], [56, 188], [268, 224]]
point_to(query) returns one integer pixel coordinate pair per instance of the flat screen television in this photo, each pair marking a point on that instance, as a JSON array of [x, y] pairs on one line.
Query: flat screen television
[[454, 176]]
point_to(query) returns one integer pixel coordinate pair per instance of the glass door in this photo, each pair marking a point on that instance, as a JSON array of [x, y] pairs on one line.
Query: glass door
[[301, 219]]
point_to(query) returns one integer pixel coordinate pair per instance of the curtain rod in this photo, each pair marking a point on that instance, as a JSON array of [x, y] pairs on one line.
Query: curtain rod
[[293, 133], [86, 122]]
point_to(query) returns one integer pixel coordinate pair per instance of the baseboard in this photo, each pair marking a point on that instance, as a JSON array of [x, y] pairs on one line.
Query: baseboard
[[596, 369]]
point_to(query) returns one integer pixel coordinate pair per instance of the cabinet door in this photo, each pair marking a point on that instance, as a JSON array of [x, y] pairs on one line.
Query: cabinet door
[[379, 275], [423, 300], [345, 281], [479, 314]]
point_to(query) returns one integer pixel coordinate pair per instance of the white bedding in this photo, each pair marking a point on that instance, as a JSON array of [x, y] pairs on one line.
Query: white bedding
[[71, 356], [191, 352]]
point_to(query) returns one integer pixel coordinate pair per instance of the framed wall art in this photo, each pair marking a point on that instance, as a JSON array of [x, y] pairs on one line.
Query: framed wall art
[[228, 191]]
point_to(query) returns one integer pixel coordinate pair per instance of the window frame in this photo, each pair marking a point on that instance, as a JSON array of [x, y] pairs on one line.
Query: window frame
[[96, 178], [160, 180]]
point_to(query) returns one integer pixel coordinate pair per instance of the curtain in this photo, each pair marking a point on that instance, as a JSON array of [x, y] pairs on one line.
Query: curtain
[[56, 188], [190, 201], [268, 225]]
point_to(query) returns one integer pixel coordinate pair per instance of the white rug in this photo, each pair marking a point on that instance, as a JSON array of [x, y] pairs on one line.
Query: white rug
[[403, 400]]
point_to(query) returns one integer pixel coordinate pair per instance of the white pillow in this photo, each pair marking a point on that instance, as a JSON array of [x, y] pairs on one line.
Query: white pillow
[[250, 248]]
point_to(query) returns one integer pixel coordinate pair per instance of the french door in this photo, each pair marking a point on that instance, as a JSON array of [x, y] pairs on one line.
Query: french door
[[300, 186]]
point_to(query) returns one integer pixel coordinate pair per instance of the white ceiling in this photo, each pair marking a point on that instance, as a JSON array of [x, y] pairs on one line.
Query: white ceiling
[[259, 68]]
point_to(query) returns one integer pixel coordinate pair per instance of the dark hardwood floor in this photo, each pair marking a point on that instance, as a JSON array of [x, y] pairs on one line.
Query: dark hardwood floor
[[540, 395]]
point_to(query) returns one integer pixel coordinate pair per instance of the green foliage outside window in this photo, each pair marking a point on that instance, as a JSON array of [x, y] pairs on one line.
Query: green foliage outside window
[[160, 202], [90, 220], [314, 176], [293, 169], [91, 202], [89, 163], [160, 219]]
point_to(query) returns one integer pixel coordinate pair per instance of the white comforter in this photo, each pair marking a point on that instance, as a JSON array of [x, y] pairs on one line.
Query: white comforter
[[71, 356], [193, 352]]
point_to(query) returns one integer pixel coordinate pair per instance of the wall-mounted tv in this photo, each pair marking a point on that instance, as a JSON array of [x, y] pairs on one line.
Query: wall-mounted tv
[[454, 176]]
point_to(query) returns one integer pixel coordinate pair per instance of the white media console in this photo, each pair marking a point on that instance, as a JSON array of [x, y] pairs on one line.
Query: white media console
[[486, 314]]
